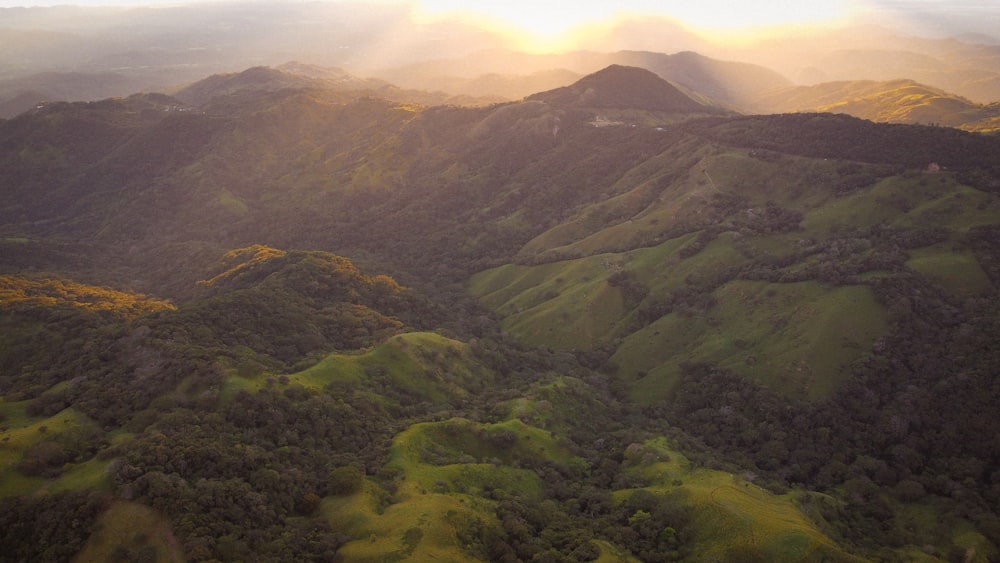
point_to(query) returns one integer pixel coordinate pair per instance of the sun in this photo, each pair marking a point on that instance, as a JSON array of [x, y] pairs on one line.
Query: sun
[[551, 25], [531, 25]]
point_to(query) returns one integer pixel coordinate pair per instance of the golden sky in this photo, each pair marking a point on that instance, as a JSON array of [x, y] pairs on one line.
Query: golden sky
[[543, 24], [552, 25], [551, 17]]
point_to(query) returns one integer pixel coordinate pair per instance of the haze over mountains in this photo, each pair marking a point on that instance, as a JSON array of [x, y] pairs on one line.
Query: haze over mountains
[[75, 53]]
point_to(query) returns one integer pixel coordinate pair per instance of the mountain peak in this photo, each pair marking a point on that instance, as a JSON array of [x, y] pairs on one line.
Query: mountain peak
[[258, 78], [623, 74], [622, 87]]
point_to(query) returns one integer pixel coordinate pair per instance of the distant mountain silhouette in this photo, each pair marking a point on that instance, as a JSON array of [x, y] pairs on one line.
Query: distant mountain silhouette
[[300, 76], [622, 87], [20, 102], [22, 93], [258, 78]]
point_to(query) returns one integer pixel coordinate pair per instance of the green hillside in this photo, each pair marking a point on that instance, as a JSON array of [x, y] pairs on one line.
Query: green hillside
[[765, 269]]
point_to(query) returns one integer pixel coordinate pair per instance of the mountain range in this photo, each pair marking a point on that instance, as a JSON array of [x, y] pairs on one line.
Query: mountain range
[[288, 314], [79, 54], [739, 87]]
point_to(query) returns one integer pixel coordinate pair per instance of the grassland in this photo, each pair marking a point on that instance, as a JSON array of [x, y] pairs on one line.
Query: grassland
[[743, 325], [749, 329], [564, 305], [131, 531], [958, 272], [20, 433], [422, 364], [755, 330], [444, 469], [734, 519]]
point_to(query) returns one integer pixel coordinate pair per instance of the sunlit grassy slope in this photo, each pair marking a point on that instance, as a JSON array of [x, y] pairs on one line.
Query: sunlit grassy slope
[[734, 519], [895, 101], [695, 249], [799, 338], [444, 468], [423, 365], [19, 433]]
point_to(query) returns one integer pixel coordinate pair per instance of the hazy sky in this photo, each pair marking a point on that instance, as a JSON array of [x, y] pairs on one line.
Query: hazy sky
[[549, 20]]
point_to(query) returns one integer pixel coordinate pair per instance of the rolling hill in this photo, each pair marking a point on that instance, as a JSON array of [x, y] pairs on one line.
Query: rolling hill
[[966, 66], [299, 76], [23, 93], [294, 323], [619, 87], [898, 101]]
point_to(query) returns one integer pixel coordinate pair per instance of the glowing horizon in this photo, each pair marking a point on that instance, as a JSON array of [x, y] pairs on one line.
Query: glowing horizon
[[539, 25], [555, 26]]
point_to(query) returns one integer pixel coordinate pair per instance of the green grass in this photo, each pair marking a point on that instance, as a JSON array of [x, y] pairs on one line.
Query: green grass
[[662, 270], [554, 405], [906, 202], [955, 207], [730, 515], [673, 197], [131, 526], [424, 364], [858, 210], [426, 446], [382, 535], [798, 339], [513, 287], [570, 305], [14, 484], [647, 202], [22, 432], [14, 414], [439, 496], [789, 181], [612, 554], [565, 305], [958, 272], [90, 475], [977, 548]]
